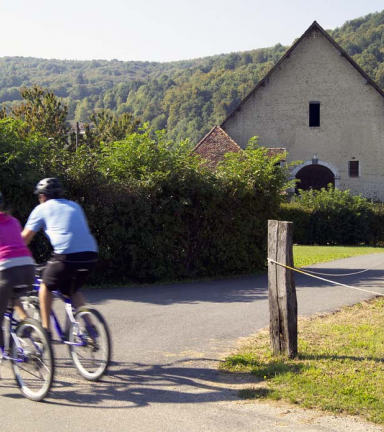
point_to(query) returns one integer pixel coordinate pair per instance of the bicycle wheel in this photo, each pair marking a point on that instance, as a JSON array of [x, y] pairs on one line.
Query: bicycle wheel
[[34, 375], [92, 357], [32, 308]]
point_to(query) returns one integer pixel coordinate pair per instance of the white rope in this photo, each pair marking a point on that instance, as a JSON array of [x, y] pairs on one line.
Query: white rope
[[345, 274], [326, 280]]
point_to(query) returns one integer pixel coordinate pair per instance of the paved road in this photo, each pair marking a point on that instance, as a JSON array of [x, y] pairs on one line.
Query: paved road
[[167, 344]]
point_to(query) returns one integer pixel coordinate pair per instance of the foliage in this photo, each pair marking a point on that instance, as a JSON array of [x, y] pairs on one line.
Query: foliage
[[44, 113], [185, 97], [109, 127], [156, 211], [329, 216], [376, 232], [363, 39]]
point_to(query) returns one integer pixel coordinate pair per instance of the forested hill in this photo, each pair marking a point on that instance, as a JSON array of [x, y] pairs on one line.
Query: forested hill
[[186, 97]]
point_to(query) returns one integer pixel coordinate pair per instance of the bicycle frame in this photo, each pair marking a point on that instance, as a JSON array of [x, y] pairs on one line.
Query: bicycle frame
[[69, 311], [9, 324]]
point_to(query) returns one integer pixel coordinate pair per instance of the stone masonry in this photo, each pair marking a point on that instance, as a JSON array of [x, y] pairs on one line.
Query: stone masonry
[[351, 113]]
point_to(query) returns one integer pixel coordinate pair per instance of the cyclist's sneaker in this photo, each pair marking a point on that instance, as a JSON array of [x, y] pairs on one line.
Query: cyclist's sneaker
[[93, 331]]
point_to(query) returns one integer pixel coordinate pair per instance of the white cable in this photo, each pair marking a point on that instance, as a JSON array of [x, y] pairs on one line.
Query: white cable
[[345, 274], [326, 280]]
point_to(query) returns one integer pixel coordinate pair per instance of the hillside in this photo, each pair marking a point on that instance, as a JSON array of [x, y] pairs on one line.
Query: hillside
[[186, 97]]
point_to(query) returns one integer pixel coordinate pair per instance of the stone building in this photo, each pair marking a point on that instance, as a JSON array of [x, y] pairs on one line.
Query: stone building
[[325, 110], [217, 143]]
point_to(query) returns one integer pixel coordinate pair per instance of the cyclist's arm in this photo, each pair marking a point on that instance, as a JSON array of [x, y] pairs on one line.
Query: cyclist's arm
[[27, 235], [34, 224]]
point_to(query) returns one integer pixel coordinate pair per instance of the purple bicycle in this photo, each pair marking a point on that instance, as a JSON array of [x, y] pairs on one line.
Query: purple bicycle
[[27, 346], [86, 334]]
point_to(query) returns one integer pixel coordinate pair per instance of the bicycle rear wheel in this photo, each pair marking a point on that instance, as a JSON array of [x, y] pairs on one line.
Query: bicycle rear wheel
[[34, 374], [92, 357], [32, 307]]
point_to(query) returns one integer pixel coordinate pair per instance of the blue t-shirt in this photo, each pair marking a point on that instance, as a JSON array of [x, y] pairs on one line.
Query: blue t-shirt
[[65, 225]]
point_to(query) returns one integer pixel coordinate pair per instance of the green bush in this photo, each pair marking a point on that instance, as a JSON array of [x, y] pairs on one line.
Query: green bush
[[301, 218], [376, 226], [330, 217], [156, 211]]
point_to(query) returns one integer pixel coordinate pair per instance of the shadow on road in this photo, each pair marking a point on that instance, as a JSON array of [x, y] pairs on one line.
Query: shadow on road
[[130, 385], [245, 289]]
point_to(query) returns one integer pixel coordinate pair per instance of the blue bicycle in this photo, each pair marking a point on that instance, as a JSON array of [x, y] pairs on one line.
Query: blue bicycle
[[86, 334], [27, 346]]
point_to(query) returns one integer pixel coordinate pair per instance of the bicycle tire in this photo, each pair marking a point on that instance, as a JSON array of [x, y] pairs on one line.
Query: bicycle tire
[[94, 333], [34, 375], [32, 308]]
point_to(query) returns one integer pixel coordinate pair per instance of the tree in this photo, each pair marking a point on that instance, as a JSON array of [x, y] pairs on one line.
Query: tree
[[44, 113], [83, 111], [109, 127]]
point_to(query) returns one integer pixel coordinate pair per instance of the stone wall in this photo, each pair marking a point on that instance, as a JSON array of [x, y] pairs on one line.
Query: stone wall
[[351, 115]]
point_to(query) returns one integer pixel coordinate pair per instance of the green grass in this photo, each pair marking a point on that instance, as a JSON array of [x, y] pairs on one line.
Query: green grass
[[308, 255], [340, 366]]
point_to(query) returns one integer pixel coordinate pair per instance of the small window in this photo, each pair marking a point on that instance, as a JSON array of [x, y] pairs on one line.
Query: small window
[[353, 168], [314, 114]]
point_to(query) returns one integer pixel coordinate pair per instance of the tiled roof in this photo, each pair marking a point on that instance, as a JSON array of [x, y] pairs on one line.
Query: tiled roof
[[215, 145], [277, 151]]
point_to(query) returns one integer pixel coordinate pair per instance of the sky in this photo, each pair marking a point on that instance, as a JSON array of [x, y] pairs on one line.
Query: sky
[[162, 30]]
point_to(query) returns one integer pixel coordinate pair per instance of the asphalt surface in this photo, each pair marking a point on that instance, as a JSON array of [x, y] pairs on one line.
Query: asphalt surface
[[167, 343]]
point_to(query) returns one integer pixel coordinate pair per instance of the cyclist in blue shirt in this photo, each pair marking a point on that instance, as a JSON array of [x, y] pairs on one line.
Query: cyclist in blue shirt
[[75, 251]]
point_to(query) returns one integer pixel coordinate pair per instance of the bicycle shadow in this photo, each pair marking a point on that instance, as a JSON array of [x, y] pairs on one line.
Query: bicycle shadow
[[134, 385]]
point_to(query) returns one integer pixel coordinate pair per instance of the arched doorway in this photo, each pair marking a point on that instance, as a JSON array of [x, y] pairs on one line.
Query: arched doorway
[[314, 177]]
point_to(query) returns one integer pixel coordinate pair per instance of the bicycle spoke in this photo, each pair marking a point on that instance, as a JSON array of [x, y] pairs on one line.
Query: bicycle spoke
[[92, 358], [34, 374]]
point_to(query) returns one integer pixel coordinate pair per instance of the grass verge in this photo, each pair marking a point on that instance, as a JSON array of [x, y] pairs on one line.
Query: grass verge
[[308, 255], [340, 366]]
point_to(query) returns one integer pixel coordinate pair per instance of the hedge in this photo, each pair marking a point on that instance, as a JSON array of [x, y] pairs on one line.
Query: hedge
[[156, 211], [334, 217]]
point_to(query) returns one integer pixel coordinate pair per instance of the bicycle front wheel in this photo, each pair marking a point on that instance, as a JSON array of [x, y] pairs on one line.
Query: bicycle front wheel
[[92, 356], [32, 308], [35, 369]]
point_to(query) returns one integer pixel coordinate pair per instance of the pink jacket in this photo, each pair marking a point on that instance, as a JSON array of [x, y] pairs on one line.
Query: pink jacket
[[11, 243]]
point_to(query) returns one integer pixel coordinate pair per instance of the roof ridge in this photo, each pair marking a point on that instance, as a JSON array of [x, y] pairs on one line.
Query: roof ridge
[[219, 128], [204, 138], [315, 24]]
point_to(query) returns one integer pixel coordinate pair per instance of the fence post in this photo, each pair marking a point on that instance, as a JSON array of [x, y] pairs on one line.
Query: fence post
[[281, 289]]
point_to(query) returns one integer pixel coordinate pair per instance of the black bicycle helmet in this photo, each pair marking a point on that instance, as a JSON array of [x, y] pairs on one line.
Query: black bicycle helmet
[[50, 187]]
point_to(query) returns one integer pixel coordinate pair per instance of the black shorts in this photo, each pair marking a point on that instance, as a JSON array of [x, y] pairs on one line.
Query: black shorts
[[68, 273], [14, 281]]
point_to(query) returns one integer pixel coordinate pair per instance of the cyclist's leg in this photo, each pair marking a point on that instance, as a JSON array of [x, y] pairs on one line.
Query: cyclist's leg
[[78, 299], [18, 307], [5, 295], [13, 282], [45, 300], [54, 275], [81, 271]]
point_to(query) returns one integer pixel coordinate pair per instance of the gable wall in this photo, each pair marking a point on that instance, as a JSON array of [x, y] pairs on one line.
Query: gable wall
[[352, 114]]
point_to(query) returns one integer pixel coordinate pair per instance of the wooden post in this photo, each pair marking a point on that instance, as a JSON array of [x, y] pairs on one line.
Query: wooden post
[[77, 134], [281, 289]]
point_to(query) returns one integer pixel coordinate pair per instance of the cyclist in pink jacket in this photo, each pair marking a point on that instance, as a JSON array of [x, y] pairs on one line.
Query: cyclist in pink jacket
[[17, 267]]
